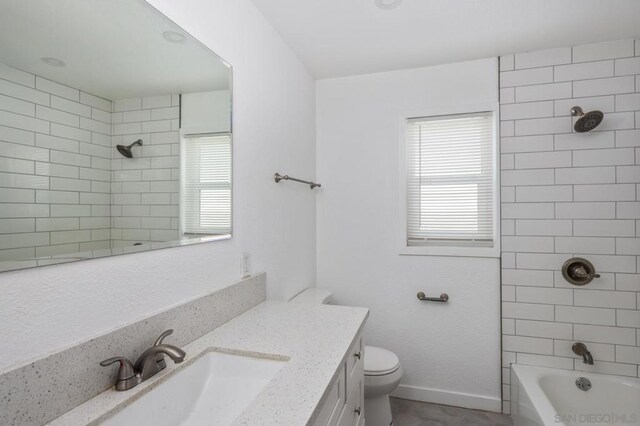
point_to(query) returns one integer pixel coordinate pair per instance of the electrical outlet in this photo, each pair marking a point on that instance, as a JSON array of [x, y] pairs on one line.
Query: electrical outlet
[[246, 265]]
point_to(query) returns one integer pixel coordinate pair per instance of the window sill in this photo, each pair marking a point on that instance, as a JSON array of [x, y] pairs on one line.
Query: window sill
[[451, 251]]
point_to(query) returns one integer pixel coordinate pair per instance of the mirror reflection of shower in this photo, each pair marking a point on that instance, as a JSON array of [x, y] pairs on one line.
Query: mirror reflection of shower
[[126, 149], [587, 121]]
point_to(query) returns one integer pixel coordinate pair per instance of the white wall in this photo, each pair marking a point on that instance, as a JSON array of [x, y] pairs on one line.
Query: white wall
[[205, 112], [447, 350], [569, 194], [49, 308]]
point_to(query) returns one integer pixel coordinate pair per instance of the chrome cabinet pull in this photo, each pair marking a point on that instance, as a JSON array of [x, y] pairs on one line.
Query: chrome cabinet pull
[[444, 297]]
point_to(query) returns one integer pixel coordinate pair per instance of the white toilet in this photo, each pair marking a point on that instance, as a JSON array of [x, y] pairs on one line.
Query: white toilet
[[382, 369], [382, 374]]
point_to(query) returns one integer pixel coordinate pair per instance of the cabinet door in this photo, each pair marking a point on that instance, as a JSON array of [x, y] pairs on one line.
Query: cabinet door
[[332, 407], [361, 420], [360, 406], [353, 409]]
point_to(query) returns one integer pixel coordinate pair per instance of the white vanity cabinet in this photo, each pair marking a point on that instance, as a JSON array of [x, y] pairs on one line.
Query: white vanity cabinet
[[345, 404]]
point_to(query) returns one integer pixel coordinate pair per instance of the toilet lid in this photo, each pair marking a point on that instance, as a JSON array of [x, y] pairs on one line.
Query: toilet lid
[[378, 361]]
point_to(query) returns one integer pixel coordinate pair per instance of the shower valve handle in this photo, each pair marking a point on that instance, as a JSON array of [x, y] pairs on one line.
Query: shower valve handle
[[582, 273]]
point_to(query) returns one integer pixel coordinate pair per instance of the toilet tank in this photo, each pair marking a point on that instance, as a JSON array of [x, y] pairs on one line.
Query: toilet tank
[[313, 296]]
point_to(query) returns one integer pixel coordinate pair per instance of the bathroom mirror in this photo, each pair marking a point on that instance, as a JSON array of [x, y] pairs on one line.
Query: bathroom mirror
[[115, 133]]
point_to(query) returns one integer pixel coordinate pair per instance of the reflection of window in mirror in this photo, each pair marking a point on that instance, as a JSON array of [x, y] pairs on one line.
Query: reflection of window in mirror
[[206, 154], [206, 184]]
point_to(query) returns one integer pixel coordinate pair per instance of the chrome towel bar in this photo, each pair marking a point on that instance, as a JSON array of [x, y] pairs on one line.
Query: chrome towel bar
[[444, 297], [278, 177]]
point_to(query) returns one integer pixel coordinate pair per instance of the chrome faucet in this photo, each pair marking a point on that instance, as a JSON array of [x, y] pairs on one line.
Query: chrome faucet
[[148, 364], [581, 349]]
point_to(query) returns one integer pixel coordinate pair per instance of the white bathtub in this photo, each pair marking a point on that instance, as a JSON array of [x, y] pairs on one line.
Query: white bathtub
[[548, 396]]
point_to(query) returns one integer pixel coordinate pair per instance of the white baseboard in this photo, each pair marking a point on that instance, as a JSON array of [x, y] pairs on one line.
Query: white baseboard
[[457, 399]]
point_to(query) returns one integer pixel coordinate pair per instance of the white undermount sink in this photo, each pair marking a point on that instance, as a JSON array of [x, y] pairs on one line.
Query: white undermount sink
[[214, 390]]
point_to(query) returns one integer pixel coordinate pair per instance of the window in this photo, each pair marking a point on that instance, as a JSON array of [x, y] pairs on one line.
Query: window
[[206, 186], [450, 187]]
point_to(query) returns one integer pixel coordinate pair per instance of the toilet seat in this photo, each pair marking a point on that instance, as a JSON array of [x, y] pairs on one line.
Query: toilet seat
[[379, 361]]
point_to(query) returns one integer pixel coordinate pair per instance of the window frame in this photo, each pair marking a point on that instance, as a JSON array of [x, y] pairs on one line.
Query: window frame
[[449, 249], [184, 135]]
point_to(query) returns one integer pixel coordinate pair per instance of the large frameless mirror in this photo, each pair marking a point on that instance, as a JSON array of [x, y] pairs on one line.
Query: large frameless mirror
[[115, 133]]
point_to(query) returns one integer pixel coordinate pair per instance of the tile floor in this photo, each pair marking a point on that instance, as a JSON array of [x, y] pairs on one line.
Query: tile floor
[[413, 413]]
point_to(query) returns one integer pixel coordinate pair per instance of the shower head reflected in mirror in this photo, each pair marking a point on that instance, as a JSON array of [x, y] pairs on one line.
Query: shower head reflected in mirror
[[587, 121], [126, 149]]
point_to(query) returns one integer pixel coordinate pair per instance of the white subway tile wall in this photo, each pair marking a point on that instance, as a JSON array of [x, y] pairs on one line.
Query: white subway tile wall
[[145, 188], [63, 186], [55, 168], [566, 194]]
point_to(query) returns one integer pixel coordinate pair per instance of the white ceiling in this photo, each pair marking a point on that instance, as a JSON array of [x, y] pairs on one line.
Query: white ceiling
[[112, 48], [346, 37]]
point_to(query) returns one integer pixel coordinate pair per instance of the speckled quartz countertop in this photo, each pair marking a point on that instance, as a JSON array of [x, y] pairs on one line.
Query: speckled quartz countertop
[[314, 338]]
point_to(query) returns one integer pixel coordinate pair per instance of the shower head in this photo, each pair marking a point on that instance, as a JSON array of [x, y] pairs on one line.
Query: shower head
[[126, 149], [587, 121]]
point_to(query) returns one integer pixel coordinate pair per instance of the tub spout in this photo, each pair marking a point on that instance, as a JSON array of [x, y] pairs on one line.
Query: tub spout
[[581, 349]]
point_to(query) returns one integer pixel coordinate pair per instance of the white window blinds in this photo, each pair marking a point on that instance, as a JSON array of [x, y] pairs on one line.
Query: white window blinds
[[450, 164], [207, 184]]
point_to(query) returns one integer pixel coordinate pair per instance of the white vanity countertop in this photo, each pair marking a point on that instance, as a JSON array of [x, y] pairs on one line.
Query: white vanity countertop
[[314, 338]]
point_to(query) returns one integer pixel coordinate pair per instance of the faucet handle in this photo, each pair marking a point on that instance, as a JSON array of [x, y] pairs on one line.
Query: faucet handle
[[127, 377], [125, 371], [162, 364], [162, 336]]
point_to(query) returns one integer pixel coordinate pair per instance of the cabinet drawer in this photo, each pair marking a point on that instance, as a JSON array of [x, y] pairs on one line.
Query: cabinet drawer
[[356, 354], [352, 413], [332, 406], [355, 365]]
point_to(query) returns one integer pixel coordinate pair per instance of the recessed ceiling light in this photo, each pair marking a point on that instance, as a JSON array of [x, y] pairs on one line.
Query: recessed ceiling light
[[388, 4], [174, 37], [54, 62]]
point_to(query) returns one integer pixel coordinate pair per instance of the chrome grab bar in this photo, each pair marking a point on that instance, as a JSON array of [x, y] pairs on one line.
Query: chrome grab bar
[[444, 297]]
